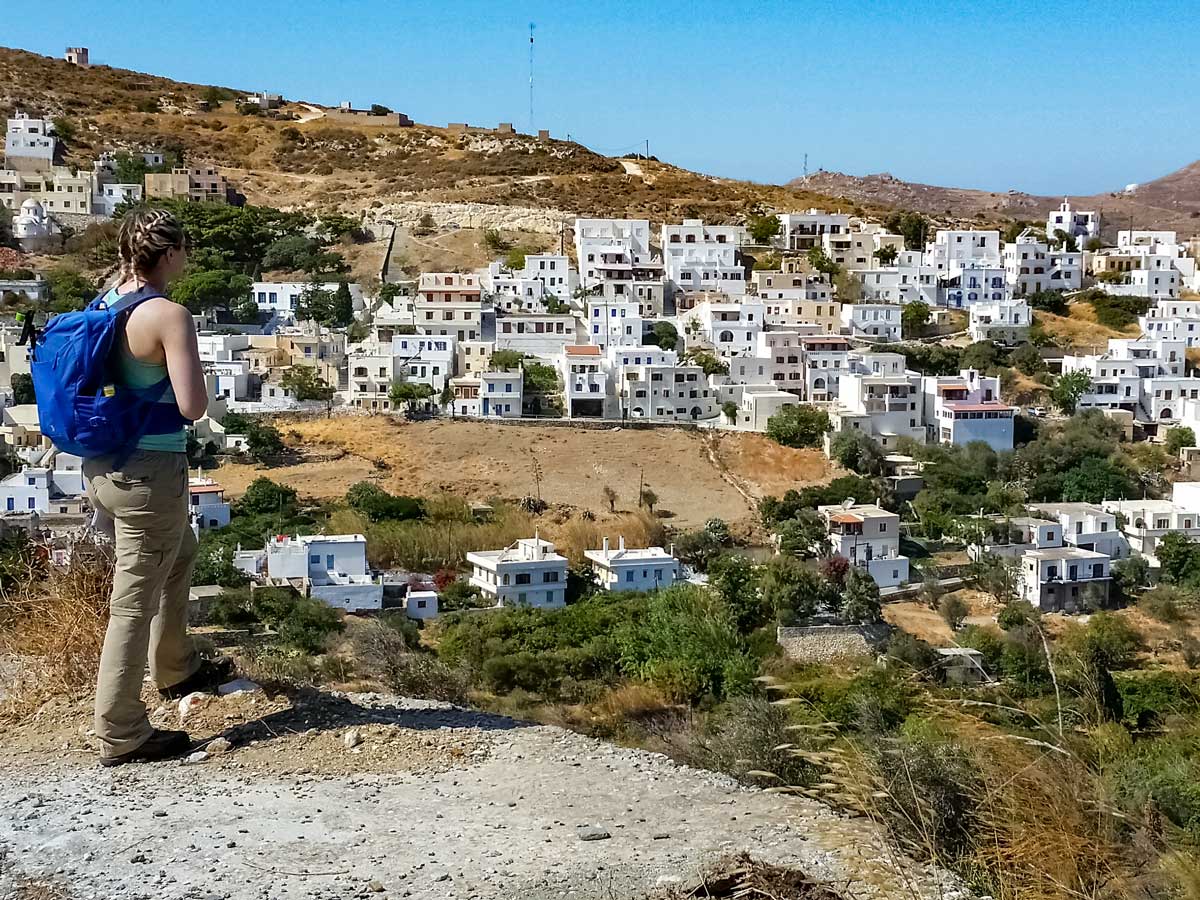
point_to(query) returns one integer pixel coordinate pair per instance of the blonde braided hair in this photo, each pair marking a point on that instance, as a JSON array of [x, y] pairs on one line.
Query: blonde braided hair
[[147, 233]]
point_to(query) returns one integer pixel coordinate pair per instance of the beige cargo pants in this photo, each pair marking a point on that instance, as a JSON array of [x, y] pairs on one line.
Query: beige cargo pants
[[155, 552]]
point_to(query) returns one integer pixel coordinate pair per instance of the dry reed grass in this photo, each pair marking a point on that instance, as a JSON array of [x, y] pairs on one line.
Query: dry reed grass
[[51, 631], [1035, 820]]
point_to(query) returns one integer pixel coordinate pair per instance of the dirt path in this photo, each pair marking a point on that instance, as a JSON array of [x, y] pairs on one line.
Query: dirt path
[[528, 811]]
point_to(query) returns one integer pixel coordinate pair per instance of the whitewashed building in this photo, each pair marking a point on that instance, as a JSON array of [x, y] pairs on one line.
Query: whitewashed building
[[1082, 225], [528, 573], [869, 537], [54, 484], [329, 567], [207, 506], [965, 408], [425, 359], [624, 569], [805, 230], [874, 320], [616, 262], [280, 298], [1002, 321], [730, 329], [613, 323], [1086, 526], [29, 143], [587, 388], [704, 257], [1032, 265], [494, 395]]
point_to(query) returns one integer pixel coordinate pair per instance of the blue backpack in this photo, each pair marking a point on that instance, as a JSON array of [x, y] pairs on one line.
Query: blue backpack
[[80, 408]]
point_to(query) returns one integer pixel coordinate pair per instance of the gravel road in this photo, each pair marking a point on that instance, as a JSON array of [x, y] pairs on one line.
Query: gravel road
[[528, 811]]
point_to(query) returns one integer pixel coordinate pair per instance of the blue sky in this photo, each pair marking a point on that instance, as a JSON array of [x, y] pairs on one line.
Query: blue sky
[[1046, 97]]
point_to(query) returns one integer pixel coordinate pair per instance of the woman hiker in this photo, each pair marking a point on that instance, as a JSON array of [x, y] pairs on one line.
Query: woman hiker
[[146, 495]]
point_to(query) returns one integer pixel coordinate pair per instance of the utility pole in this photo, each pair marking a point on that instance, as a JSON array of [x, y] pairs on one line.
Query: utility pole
[[806, 165], [647, 149]]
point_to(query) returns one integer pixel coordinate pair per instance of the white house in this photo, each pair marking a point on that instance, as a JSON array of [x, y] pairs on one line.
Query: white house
[[54, 488], [958, 249], [885, 405], [108, 197], [757, 403], [660, 388], [207, 505], [965, 408], [899, 284], [1065, 579], [613, 323], [805, 230], [1146, 522], [869, 537], [279, 298], [823, 360], [1032, 265], [373, 368], [501, 394], [587, 388], [704, 257], [536, 334], [616, 262], [970, 282], [875, 320], [1002, 321], [731, 329], [1173, 320], [330, 567], [623, 569], [450, 303], [29, 143], [1144, 376], [1087, 526], [425, 359], [528, 573], [1081, 225], [421, 605]]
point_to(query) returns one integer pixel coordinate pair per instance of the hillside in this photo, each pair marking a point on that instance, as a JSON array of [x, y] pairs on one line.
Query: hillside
[[309, 161], [1170, 202]]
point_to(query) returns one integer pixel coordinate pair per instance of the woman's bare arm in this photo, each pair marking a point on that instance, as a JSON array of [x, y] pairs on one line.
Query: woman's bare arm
[[178, 337]]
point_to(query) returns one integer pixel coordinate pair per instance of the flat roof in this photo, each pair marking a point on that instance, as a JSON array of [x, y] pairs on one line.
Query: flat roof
[[1067, 552], [979, 407]]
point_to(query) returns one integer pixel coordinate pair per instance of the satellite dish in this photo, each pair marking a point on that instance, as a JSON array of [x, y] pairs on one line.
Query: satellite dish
[[847, 503]]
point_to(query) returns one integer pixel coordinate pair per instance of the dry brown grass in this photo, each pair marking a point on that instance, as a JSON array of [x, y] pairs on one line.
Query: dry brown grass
[[53, 629], [640, 529], [485, 461], [1026, 816], [1079, 330]]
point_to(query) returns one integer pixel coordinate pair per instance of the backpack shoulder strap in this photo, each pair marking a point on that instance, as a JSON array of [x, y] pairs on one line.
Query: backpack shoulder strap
[[130, 300]]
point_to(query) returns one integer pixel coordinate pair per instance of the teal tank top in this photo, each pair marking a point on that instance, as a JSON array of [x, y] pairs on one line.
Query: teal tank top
[[132, 372]]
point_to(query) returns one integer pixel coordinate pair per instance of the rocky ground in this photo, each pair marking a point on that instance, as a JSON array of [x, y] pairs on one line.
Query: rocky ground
[[320, 796]]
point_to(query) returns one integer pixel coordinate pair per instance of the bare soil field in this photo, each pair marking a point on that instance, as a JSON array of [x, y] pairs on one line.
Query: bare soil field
[[480, 461], [922, 622]]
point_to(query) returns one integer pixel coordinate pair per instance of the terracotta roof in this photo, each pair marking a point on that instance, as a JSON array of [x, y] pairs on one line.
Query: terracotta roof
[[205, 488], [581, 350], [846, 518]]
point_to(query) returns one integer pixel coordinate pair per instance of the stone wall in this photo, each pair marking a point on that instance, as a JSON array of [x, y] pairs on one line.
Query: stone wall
[[473, 215], [828, 643]]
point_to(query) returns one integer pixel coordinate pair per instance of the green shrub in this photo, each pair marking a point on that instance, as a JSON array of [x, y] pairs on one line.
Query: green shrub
[[1149, 697], [688, 645]]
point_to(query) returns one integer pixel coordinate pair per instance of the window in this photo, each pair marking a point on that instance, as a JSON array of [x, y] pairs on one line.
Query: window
[[523, 578], [549, 577], [629, 575]]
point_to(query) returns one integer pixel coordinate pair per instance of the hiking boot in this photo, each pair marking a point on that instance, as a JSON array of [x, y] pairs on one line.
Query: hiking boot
[[212, 674], [159, 746]]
